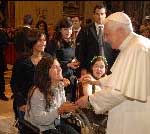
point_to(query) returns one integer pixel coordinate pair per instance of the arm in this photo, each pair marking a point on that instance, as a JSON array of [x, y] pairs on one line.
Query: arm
[[102, 101], [87, 89], [15, 83], [105, 100]]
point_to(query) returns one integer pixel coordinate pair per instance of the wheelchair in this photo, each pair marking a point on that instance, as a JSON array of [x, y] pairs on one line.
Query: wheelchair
[[78, 120], [85, 122]]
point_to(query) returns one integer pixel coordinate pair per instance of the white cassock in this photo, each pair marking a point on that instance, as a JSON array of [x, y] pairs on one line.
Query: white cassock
[[127, 96]]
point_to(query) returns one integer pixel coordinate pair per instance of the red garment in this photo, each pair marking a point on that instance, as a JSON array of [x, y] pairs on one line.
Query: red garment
[[10, 54]]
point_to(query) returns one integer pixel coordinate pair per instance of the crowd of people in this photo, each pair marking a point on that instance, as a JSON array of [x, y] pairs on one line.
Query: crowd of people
[[108, 59]]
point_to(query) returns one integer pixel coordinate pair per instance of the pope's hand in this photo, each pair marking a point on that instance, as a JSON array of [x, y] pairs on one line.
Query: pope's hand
[[67, 107], [82, 102]]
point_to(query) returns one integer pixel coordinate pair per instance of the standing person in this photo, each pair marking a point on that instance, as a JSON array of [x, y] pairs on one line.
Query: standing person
[[76, 34], [62, 47], [46, 99], [128, 96], [23, 70], [92, 43], [77, 37], [21, 37], [3, 44], [42, 26]]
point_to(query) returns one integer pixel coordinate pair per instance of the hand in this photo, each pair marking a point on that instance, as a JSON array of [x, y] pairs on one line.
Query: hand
[[67, 107], [74, 64], [82, 102], [23, 108], [86, 79], [66, 82]]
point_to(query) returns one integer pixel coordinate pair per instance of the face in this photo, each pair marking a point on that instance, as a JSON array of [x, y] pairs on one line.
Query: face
[[146, 33], [55, 72], [110, 36], [41, 26], [76, 23], [98, 69], [40, 45], [99, 15], [66, 32]]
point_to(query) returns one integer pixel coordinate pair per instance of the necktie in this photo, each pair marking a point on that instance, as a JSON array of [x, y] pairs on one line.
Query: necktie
[[75, 34], [101, 43]]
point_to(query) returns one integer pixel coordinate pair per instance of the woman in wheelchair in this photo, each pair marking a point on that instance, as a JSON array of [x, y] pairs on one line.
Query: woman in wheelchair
[[97, 70], [47, 101]]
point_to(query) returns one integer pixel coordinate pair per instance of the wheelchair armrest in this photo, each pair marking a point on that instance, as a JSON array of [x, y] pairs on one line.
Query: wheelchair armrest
[[30, 126]]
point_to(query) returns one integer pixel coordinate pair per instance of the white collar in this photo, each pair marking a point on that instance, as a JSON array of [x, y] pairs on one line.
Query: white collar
[[99, 25], [28, 26], [125, 42]]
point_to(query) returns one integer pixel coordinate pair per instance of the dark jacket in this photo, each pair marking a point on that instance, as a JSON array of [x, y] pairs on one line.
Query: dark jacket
[[64, 52], [22, 79], [20, 40], [3, 44]]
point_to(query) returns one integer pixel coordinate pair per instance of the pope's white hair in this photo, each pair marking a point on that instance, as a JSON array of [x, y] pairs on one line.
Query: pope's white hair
[[119, 20], [113, 25]]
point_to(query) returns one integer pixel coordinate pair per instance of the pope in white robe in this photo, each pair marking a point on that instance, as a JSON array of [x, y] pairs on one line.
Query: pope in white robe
[[127, 92]]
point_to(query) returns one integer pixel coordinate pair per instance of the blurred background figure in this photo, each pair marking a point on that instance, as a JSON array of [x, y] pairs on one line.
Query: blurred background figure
[[42, 26], [3, 45], [21, 37]]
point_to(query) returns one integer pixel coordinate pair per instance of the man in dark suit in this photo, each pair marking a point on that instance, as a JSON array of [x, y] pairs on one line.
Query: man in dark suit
[[20, 37], [77, 34], [92, 43]]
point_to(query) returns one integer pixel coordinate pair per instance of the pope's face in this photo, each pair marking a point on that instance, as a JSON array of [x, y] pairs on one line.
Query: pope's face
[[110, 36]]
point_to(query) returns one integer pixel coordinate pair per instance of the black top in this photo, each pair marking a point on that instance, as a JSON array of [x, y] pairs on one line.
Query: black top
[[64, 52], [22, 79]]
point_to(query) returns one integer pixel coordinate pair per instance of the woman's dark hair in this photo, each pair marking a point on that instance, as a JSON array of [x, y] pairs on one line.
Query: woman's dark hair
[[98, 58], [33, 35], [42, 81], [65, 22], [45, 27]]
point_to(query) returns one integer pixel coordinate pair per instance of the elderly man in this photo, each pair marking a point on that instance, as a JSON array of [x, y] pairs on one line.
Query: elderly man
[[126, 93]]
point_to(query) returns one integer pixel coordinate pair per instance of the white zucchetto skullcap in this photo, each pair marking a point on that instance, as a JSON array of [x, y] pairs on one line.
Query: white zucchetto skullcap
[[119, 17]]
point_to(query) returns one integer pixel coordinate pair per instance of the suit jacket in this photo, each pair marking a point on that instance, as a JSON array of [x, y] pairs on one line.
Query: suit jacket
[[21, 41], [90, 46], [78, 44]]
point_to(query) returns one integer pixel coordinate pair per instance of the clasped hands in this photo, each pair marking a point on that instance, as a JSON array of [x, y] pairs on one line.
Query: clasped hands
[[87, 79], [67, 107]]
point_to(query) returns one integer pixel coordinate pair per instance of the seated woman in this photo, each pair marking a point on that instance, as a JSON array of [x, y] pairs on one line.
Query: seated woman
[[46, 99], [97, 70]]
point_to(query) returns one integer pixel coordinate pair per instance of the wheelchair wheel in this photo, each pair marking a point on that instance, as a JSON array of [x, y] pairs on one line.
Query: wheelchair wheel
[[83, 124]]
